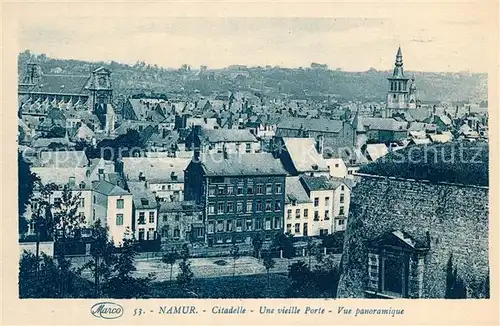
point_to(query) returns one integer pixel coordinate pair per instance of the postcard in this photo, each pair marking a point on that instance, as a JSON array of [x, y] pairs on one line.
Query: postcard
[[200, 163]]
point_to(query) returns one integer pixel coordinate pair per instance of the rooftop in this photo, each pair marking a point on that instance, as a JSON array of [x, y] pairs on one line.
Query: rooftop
[[242, 164], [304, 155], [109, 189], [227, 135], [295, 191], [311, 124], [155, 169], [320, 183]]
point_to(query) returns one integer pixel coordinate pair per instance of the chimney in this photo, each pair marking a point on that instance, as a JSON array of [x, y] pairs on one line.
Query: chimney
[[224, 152], [320, 144]]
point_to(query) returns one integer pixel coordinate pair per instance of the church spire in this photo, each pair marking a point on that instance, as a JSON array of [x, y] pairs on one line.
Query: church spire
[[398, 66]]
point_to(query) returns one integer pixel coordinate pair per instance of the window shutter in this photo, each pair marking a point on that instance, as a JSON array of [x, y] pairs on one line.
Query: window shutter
[[373, 271]]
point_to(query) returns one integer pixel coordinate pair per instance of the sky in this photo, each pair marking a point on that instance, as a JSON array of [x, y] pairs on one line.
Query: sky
[[452, 43]]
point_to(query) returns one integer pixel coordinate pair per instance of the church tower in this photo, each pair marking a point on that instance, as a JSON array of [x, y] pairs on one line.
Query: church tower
[[101, 92], [397, 96]]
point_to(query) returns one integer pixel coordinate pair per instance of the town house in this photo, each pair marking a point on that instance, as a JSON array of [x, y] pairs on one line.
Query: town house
[[240, 195]]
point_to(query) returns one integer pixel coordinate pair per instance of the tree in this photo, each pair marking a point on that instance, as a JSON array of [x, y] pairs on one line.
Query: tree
[[235, 253], [66, 222], [102, 253], [26, 182], [257, 242], [44, 283], [122, 284], [284, 242], [170, 258], [311, 249], [186, 275], [302, 284], [268, 262]]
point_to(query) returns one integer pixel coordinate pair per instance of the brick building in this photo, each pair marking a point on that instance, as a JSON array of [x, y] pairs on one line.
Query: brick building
[[240, 194]]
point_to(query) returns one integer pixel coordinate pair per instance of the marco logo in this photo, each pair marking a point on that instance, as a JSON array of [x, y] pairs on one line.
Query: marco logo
[[107, 310]]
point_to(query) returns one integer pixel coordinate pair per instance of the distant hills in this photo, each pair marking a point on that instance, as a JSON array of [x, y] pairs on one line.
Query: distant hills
[[298, 83]]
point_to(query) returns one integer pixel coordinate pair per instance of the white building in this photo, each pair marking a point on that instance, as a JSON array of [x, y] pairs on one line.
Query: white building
[[298, 208], [113, 205], [163, 176], [330, 200]]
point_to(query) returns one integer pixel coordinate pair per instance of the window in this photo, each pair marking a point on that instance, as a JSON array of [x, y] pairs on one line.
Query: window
[[169, 187], [294, 202], [220, 190], [82, 185], [316, 202], [248, 148], [306, 213], [277, 188], [297, 227], [240, 190], [327, 201], [269, 189], [229, 225], [288, 228], [239, 225], [341, 222], [141, 218], [178, 217], [230, 190], [199, 232], [341, 210], [249, 206], [297, 213], [316, 215], [151, 217], [267, 224], [210, 228], [120, 203], [220, 208], [239, 207], [249, 225], [342, 199], [289, 214], [81, 202], [165, 217], [249, 189], [229, 207], [342, 187], [336, 165], [268, 205], [304, 233], [349, 172], [259, 189], [277, 205], [327, 214], [151, 234], [119, 219], [220, 226], [141, 234], [258, 206], [211, 208], [258, 224], [162, 187], [277, 223], [177, 233]]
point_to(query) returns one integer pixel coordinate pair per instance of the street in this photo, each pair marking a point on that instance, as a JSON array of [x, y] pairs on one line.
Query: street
[[206, 267]]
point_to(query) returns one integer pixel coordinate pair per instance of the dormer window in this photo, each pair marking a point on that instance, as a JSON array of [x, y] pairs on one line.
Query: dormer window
[[173, 176], [144, 202], [142, 177]]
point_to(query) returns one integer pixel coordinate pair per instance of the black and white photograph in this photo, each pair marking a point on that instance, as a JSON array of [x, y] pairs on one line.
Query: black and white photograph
[[253, 158]]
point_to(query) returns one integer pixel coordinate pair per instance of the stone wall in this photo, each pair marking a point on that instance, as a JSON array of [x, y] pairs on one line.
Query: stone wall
[[455, 216]]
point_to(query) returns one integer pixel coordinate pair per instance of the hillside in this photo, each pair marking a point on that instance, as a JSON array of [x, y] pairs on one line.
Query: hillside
[[301, 82]]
